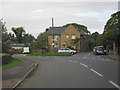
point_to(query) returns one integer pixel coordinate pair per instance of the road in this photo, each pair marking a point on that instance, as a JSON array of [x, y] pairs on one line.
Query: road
[[84, 70]]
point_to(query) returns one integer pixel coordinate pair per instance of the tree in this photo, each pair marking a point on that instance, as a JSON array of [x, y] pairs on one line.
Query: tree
[[28, 39], [6, 38], [94, 36], [111, 27], [111, 30], [41, 42], [19, 32], [79, 27]]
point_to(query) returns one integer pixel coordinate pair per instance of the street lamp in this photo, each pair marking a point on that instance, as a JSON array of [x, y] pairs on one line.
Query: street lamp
[[53, 34]]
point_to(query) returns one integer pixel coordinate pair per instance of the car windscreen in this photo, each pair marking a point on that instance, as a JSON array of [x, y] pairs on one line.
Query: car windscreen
[[100, 48]]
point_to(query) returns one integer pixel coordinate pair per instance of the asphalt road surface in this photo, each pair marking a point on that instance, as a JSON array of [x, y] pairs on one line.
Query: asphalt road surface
[[84, 70]]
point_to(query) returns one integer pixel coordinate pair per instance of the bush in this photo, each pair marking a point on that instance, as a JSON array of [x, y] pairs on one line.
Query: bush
[[6, 59], [109, 47]]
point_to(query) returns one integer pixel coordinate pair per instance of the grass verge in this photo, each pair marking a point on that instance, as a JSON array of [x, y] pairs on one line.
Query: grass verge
[[13, 62], [50, 54]]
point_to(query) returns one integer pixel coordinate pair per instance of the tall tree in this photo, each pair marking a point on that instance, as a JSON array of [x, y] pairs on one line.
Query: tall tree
[[19, 32], [94, 36], [5, 38], [111, 27], [28, 38], [41, 42]]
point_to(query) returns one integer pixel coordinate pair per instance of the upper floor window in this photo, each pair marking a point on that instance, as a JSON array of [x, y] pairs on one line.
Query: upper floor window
[[67, 36], [73, 36], [56, 37]]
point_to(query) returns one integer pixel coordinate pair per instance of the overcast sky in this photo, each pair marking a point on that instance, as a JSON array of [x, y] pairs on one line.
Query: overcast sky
[[35, 17]]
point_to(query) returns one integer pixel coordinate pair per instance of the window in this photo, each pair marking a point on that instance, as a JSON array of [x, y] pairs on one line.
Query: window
[[56, 38], [73, 36], [67, 36]]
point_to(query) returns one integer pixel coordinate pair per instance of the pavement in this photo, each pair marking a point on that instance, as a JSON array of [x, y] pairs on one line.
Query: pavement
[[12, 76], [114, 57], [84, 70]]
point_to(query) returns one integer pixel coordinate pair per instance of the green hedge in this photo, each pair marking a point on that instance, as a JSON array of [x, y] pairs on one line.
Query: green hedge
[[12, 63], [6, 59]]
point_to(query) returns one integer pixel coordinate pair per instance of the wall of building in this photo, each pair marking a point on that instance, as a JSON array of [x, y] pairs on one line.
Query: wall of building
[[69, 31], [56, 41]]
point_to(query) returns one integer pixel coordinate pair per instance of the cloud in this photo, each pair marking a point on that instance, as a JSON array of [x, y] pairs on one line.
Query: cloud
[[36, 17], [38, 11]]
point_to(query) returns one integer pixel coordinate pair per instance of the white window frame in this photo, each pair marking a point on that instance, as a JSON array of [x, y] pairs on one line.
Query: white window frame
[[67, 36], [73, 36]]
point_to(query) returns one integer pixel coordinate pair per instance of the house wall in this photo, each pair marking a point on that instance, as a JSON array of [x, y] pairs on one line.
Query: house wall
[[56, 41], [70, 30], [50, 41]]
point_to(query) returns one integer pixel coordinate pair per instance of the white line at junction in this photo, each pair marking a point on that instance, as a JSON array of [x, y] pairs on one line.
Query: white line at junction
[[114, 84], [83, 65], [96, 72]]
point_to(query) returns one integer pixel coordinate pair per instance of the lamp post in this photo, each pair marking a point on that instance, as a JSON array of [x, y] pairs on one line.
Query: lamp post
[[53, 34]]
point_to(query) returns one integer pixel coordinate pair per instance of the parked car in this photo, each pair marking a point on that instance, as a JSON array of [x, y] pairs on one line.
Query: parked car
[[67, 50], [99, 50]]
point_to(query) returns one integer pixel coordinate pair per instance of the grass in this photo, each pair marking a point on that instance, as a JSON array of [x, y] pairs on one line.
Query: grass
[[2, 54], [13, 62], [50, 54]]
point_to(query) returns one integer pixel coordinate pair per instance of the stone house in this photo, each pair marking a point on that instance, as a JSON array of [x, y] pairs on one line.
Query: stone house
[[62, 37]]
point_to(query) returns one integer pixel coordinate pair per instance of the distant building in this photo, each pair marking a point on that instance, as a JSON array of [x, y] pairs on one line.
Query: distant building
[[66, 36], [17, 46]]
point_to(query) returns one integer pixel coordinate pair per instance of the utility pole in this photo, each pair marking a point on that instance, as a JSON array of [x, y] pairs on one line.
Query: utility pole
[[53, 44]]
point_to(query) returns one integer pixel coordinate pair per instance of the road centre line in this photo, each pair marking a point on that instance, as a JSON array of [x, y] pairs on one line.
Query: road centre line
[[96, 72], [83, 65], [114, 84]]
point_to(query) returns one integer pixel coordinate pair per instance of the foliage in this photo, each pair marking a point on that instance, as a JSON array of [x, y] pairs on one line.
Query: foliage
[[79, 27], [13, 62], [19, 32], [70, 47], [100, 40], [41, 42], [110, 34], [6, 38], [95, 35], [111, 28], [28, 39]]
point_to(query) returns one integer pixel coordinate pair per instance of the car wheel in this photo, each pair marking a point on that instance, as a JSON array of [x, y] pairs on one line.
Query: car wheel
[[72, 52]]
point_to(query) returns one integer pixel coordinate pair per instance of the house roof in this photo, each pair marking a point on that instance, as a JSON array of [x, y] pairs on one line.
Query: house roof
[[59, 30], [18, 45], [56, 30]]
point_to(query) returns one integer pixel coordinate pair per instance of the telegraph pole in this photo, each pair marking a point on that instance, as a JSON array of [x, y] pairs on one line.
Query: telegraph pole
[[53, 44]]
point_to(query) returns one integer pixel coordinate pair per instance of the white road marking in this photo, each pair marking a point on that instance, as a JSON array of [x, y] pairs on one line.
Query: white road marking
[[75, 61], [83, 65], [96, 72], [114, 84], [107, 59], [85, 57]]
